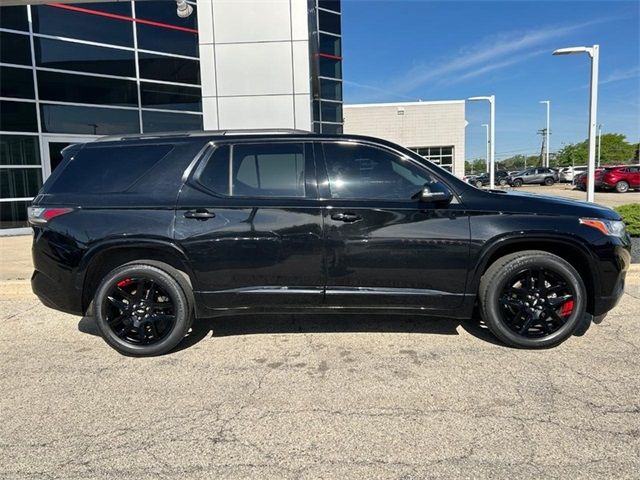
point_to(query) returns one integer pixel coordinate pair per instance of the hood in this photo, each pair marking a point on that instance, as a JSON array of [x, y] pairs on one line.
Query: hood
[[518, 202]]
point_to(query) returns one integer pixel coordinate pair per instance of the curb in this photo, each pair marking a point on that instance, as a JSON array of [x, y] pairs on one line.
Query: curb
[[12, 289]]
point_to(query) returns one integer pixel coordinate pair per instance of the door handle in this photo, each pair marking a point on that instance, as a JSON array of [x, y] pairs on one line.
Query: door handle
[[346, 217], [199, 214]]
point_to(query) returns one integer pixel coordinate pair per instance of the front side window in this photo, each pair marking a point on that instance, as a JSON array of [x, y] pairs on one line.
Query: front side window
[[364, 172], [256, 170]]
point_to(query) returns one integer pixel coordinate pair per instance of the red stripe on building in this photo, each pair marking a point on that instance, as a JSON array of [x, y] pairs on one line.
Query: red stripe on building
[[328, 55], [115, 16]]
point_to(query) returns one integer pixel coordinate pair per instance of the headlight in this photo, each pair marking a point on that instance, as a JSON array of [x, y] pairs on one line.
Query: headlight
[[615, 228]]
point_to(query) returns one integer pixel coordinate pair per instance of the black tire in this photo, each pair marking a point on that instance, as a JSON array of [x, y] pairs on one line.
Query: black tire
[[502, 182], [169, 310], [622, 186], [496, 306], [478, 184], [549, 181], [517, 182]]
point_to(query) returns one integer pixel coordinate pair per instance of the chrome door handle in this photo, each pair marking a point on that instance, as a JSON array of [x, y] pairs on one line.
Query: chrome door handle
[[199, 214], [346, 217]]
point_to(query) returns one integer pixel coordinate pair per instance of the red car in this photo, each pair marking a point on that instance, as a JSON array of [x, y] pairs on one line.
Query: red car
[[621, 178]]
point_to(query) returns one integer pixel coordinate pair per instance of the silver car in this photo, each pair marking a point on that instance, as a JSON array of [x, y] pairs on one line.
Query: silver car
[[539, 175], [567, 174]]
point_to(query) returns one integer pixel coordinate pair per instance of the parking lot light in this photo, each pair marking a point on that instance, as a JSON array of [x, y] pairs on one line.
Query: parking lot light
[[594, 53], [486, 127], [492, 138]]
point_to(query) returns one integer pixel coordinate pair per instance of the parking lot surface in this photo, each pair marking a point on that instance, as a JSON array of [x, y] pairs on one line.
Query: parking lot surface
[[309, 397], [608, 199]]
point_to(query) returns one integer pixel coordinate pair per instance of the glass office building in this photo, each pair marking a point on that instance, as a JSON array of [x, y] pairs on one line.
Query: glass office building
[[71, 72]]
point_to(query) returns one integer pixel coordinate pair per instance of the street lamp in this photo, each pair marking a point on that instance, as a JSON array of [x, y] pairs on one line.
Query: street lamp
[[599, 143], [492, 139], [594, 53], [486, 127], [546, 133]]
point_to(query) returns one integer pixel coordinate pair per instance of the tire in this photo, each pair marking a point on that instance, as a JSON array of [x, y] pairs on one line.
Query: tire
[[502, 182], [517, 182], [622, 187], [549, 181], [542, 329], [479, 184], [163, 308]]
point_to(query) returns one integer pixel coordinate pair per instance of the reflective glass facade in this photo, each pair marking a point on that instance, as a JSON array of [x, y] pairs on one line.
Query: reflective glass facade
[[82, 70]]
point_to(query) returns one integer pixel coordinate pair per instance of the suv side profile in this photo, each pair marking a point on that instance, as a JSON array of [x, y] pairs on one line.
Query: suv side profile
[[621, 179], [150, 233], [538, 175]]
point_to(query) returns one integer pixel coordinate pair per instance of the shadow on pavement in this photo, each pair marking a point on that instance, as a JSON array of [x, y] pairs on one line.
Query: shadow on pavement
[[260, 324]]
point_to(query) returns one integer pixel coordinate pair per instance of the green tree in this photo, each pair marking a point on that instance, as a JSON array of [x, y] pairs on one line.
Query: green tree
[[614, 150]]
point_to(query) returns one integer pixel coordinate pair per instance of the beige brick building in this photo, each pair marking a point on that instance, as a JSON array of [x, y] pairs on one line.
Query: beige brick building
[[433, 129]]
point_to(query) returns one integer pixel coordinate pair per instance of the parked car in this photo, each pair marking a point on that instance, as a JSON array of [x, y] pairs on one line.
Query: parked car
[[540, 175], [621, 178], [149, 233], [483, 180], [567, 174]]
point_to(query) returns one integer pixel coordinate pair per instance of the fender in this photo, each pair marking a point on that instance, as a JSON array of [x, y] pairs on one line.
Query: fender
[[164, 246], [491, 246]]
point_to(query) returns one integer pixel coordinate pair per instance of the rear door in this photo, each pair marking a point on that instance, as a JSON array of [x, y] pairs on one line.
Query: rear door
[[249, 220], [634, 177], [385, 248]]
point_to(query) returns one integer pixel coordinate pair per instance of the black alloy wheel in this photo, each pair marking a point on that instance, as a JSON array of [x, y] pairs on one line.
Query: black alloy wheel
[[139, 310], [143, 309], [549, 181], [532, 299]]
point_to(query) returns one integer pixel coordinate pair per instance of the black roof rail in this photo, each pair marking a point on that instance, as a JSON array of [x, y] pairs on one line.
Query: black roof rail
[[201, 133]]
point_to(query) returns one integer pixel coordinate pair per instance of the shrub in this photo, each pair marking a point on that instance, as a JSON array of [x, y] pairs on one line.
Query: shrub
[[631, 215]]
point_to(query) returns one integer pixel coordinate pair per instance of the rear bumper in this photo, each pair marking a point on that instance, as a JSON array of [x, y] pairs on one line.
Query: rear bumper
[[55, 294]]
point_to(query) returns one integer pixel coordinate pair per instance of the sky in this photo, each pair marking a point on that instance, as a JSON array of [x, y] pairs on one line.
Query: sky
[[399, 50]]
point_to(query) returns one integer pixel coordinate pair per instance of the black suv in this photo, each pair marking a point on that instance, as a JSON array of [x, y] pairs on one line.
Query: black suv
[[148, 233], [501, 178]]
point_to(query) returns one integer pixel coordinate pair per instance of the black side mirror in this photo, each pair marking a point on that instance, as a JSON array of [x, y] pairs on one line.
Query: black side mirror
[[436, 193]]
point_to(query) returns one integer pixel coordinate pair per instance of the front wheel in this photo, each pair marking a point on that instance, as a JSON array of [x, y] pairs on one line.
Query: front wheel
[[532, 299], [502, 182], [143, 310], [549, 181], [517, 182], [478, 184]]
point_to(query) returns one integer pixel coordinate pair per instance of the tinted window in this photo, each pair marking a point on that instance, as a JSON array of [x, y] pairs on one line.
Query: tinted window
[[330, 67], [20, 182], [88, 120], [331, 112], [64, 87], [18, 116], [14, 18], [167, 122], [170, 97], [13, 214], [330, 44], [331, 128], [170, 69], [358, 171], [328, 22], [330, 4], [15, 48], [84, 58], [167, 40], [19, 150], [275, 170], [330, 89], [16, 82], [107, 169], [67, 23]]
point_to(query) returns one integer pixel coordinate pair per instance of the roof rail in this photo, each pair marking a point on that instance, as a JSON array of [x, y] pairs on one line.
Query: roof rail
[[201, 133]]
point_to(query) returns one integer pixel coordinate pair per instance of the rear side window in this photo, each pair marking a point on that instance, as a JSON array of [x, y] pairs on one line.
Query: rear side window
[[256, 170], [110, 169]]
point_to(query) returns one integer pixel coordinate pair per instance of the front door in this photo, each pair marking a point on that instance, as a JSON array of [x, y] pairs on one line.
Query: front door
[[52, 146], [384, 247], [250, 223]]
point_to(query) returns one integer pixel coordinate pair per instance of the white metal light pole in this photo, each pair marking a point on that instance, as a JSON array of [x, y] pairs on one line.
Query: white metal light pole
[[486, 127], [594, 53], [599, 143], [546, 133], [492, 138]]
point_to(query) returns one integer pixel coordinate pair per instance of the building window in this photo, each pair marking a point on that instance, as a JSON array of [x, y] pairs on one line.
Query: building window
[[442, 156], [18, 116], [330, 89], [84, 58], [88, 120], [14, 214], [171, 97], [65, 87], [168, 122], [15, 48], [14, 18], [167, 40], [329, 22], [16, 82], [169, 69], [19, 150]]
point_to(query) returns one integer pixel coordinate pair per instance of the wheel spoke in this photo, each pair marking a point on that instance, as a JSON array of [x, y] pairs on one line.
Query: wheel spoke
[[541, 280], [527, 324], [119, 304], [151, 291], [556, 302]]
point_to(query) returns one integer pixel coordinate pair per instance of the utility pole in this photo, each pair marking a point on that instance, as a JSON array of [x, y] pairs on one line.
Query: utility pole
[[547, 131], [544, 149]]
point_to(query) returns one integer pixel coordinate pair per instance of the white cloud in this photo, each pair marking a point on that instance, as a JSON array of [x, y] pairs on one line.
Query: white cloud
[[618, 75]]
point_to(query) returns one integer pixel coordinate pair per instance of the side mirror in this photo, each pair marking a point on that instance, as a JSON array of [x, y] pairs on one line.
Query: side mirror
[[436, 192]]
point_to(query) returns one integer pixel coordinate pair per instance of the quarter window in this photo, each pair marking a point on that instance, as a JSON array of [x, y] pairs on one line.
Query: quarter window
[[363, 172]]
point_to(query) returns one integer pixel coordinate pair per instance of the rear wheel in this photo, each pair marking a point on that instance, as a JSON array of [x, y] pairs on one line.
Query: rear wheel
[[479, 184], [143, 310], [517, 182], [532, 299], [502, 182], [622, 187], [549, 181]]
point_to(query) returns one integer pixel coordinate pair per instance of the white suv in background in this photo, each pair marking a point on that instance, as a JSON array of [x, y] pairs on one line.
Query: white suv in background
[[567, 174]]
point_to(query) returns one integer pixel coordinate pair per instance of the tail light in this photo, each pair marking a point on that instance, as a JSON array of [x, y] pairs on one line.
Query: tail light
[[42, 215]]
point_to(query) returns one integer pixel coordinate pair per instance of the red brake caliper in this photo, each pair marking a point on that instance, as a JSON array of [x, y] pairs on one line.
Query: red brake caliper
[[124, 283], [566, 309]]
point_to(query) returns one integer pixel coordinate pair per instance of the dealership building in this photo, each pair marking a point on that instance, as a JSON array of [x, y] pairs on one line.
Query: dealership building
[[71, 72]]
